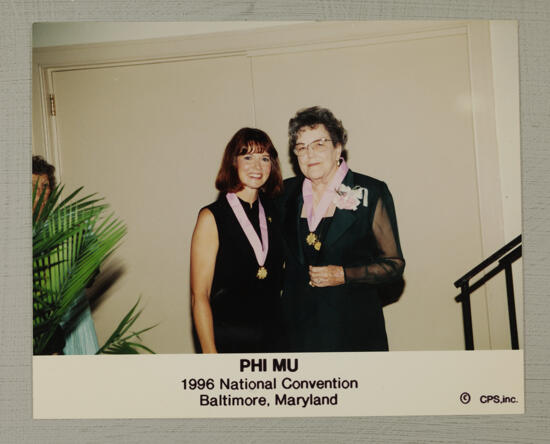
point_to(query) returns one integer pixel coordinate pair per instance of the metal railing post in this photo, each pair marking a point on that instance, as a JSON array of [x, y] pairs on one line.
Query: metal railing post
[[467, 316], [511, 306], [505, 257]]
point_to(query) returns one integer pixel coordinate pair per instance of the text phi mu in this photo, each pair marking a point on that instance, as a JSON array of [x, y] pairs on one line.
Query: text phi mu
[[277, 365]]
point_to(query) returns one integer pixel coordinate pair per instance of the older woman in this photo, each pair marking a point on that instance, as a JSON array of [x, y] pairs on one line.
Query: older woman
[[236, 252], [341, 240]]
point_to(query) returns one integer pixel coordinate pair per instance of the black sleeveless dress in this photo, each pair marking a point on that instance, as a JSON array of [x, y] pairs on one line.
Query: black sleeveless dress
[[246, 310]]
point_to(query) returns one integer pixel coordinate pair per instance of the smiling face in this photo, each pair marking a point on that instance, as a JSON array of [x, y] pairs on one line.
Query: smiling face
[[318, 165], [253, 169]]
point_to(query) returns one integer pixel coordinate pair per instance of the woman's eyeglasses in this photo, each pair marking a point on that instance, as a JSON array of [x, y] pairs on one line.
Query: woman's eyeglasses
[[300, 149]]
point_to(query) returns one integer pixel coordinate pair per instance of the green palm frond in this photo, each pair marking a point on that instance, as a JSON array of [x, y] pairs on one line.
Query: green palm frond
[[68, 248], [119, 342], [71, 239]]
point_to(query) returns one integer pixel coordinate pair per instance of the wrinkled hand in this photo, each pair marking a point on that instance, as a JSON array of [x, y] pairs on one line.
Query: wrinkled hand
[[328, 276]]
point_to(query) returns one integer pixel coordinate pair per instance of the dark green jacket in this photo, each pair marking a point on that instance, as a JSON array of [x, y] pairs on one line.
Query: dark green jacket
[[365, 242]]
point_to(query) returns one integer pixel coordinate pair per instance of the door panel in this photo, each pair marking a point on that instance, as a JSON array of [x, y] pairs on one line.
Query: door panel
[[407, 108], [149, 138]]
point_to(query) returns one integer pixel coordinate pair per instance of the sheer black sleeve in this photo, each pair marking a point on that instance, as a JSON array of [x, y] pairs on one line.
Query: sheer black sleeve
[[388, 264]]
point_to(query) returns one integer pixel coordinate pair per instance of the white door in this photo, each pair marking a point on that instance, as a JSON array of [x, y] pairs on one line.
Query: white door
[[399, 100], [149, 138]]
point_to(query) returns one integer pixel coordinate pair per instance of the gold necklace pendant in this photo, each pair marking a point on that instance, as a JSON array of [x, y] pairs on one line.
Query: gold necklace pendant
[[317, 245], [262, 273], [311, 239]]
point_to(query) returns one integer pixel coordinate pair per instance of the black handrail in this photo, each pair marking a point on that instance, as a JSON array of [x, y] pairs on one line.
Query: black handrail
[[488, 261], [505, 258]]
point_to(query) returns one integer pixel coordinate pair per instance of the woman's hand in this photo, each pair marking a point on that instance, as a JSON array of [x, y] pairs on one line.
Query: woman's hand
[[328, 276]]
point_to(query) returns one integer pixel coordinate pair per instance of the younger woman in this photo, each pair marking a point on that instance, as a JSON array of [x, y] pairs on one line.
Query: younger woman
[[236, 255]]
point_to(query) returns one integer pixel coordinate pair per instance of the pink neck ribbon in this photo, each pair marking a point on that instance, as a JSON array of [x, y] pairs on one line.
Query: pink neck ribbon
[[314, 215], [260, 247]]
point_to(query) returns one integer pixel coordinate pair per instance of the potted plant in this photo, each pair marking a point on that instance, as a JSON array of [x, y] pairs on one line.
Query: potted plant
[[71, 239]]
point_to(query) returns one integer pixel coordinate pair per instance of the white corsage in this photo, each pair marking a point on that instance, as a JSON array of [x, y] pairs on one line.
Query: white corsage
[[349, 198]]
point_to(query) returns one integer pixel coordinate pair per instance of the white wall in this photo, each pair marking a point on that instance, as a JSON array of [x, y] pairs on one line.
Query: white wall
[[505, 60]]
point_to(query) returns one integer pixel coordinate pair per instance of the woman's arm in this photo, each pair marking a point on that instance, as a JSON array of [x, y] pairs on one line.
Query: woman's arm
[[388, 264], [204, 248]]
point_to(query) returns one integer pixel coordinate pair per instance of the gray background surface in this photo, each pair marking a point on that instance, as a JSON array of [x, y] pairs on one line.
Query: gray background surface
[[15, 228]]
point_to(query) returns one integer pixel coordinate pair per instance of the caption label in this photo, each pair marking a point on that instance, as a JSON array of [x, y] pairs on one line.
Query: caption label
[[280, 390]]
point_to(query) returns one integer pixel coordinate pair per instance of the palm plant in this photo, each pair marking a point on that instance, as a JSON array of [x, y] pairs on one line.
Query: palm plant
[[71, 238], [120, 340]]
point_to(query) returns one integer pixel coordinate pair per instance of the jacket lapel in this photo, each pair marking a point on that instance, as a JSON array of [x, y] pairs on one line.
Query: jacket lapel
[[342, 219]]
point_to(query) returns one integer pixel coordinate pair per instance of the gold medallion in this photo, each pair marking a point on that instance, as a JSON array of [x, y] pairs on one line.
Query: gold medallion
[[262, 273], [311, 239], [317, 245]]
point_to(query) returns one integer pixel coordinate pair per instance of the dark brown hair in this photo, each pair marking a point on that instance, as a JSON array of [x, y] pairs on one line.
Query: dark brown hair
[[244, 141], [40, 166], [310, 118]]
